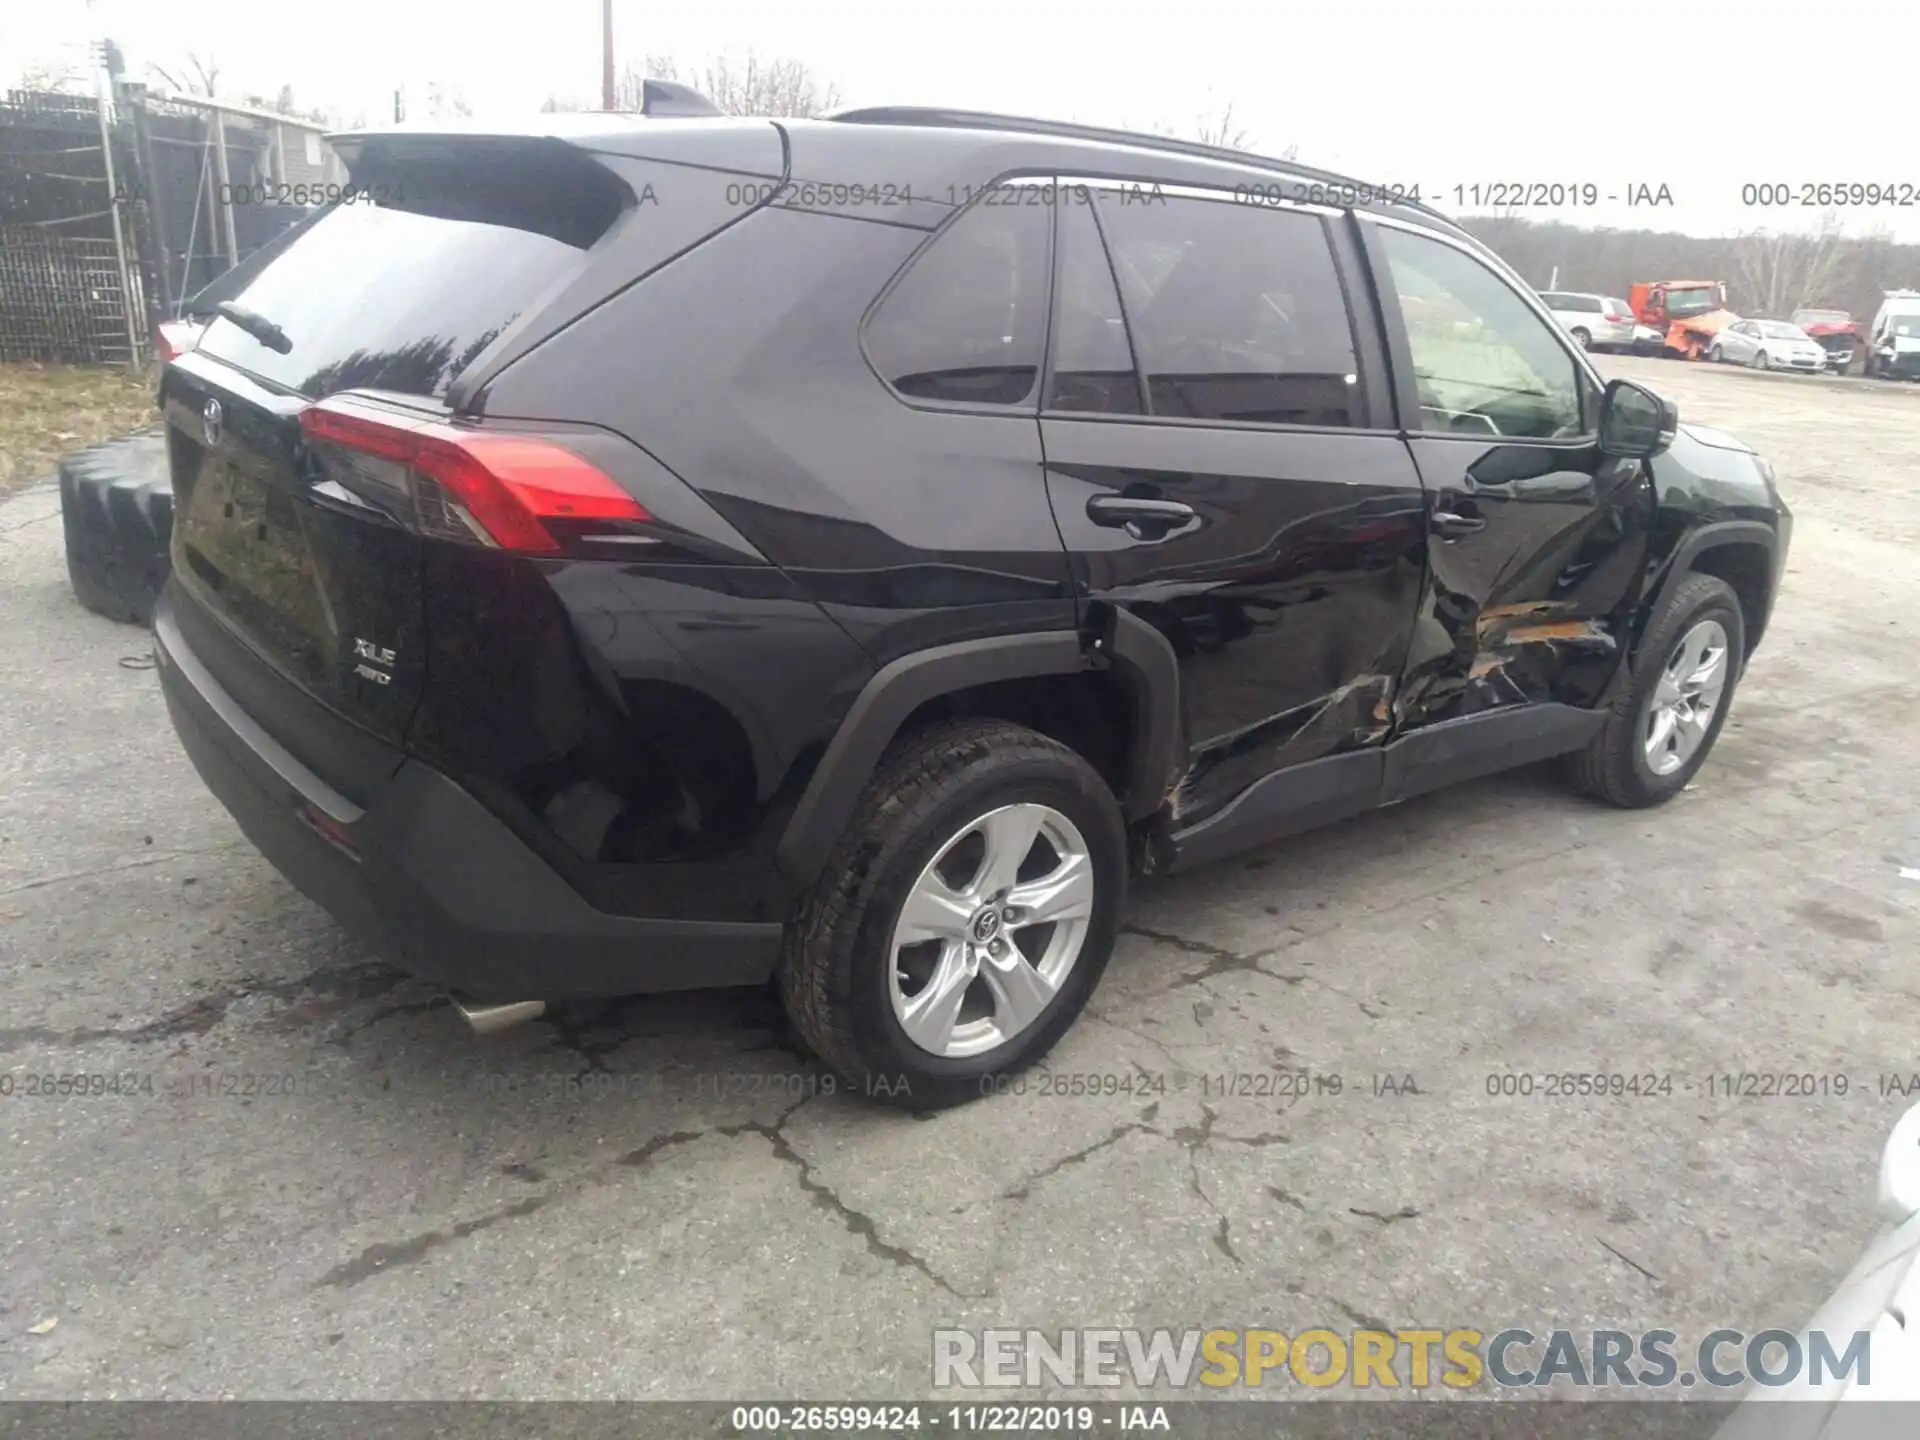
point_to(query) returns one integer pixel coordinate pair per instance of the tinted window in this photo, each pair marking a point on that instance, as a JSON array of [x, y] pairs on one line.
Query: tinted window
[[1236, 311], [1484, 363], [968, 320], [1092, 359], [403, 295]]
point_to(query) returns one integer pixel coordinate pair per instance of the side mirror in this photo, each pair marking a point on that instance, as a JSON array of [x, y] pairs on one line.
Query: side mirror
[[1635, 423]]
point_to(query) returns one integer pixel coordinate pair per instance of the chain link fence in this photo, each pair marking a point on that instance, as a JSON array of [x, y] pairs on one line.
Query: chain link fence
[[108, 223]]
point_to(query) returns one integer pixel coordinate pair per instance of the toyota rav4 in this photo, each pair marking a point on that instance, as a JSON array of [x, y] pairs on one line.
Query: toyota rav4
[[644, 554]]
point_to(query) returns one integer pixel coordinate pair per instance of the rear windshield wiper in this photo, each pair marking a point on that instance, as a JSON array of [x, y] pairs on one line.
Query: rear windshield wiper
[[256, 325]]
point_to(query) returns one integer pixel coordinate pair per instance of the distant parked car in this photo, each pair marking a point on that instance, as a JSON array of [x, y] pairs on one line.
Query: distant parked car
[[1596, 322], [1768, 345], [1893, 346], [1833, 331]]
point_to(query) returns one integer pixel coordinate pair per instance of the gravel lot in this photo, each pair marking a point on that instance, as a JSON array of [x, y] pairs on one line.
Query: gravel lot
[[430, 1215]]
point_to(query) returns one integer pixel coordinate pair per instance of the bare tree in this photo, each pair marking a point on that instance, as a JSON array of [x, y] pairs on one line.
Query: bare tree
[[1220, 132], [198, 76], [50, 77], [747, 86], [441, 104], [1779, 273], [1223, 132], [282, 102]]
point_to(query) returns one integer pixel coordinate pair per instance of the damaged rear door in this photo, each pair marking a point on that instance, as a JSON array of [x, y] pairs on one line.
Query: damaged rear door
[[1221, 463], [1536, 542]]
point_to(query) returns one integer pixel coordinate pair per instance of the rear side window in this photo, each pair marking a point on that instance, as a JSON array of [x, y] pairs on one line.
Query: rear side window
[[401, 291], [967, 322], [1236, 312], [1553, 299], [1093, 367]]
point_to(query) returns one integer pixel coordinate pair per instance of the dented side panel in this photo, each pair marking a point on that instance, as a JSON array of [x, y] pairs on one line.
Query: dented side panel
[[1287, 598], [1537, 604]]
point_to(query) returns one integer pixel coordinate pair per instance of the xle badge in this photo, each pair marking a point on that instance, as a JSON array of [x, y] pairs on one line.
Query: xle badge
[[371, 655]]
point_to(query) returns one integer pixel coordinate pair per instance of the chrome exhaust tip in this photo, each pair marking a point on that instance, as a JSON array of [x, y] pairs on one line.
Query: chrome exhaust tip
[[486, 1019]]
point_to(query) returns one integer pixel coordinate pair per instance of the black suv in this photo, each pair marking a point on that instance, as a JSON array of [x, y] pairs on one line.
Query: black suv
[[648, 554]]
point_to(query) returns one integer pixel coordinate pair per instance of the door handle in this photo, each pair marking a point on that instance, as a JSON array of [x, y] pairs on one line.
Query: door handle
[[1449, 526], [1140, 517]]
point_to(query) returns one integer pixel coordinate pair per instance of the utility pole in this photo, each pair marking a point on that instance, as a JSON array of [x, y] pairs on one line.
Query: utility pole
[[606, 54]]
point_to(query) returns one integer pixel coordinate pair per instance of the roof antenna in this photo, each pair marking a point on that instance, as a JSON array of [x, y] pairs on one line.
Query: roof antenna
[[669, 98]]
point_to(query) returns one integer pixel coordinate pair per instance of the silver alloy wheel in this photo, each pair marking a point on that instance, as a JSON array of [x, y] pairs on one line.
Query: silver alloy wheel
[[990, 930], [1684, 702]]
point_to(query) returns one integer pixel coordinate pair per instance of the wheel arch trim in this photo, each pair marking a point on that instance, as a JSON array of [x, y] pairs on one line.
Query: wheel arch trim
[[899, 688], [1718, 535]]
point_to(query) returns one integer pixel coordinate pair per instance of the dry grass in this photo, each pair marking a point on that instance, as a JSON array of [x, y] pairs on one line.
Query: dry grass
[[47, 410]]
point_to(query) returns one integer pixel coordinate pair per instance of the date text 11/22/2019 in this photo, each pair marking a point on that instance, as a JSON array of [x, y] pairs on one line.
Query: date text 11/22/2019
[[1472, 195]]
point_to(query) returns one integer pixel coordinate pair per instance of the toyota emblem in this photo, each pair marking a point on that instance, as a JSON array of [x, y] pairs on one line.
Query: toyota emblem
[[211, 421]]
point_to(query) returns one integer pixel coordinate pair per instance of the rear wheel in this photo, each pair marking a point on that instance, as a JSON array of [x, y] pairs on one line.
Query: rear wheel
[[965, 917], [1660, 730]]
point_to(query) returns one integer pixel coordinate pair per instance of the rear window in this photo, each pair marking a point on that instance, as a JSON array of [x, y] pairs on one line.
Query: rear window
[[403, 289], [967, 322]]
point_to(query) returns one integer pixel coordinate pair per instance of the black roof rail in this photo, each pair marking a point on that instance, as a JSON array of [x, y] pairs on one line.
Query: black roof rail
[[1067, 130]]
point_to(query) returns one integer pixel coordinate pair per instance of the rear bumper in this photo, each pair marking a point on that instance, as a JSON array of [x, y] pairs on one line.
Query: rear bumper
[[429, 876]]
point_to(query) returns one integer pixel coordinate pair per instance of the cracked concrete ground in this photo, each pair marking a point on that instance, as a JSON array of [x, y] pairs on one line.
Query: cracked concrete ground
[[655, 1199]]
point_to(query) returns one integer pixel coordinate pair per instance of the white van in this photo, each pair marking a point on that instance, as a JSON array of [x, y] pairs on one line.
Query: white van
[[1893, 344]]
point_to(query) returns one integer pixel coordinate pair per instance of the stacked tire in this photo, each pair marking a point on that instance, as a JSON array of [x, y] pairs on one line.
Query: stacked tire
[[116, 503]]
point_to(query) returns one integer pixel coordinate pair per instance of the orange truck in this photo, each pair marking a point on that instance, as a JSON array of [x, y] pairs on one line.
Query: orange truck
[[1687, 313]]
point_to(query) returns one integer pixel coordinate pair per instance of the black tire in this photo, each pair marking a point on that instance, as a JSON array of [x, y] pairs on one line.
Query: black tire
[[834, 974], [1614, 764], [116, 506], [1714, 354], [1760, 361]]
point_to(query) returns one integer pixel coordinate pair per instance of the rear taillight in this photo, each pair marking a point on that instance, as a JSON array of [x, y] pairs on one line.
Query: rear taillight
[[173, 338], [499, 489]]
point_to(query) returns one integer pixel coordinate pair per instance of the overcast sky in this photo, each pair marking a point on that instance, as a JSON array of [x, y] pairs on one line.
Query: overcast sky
[[1696, 95]]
